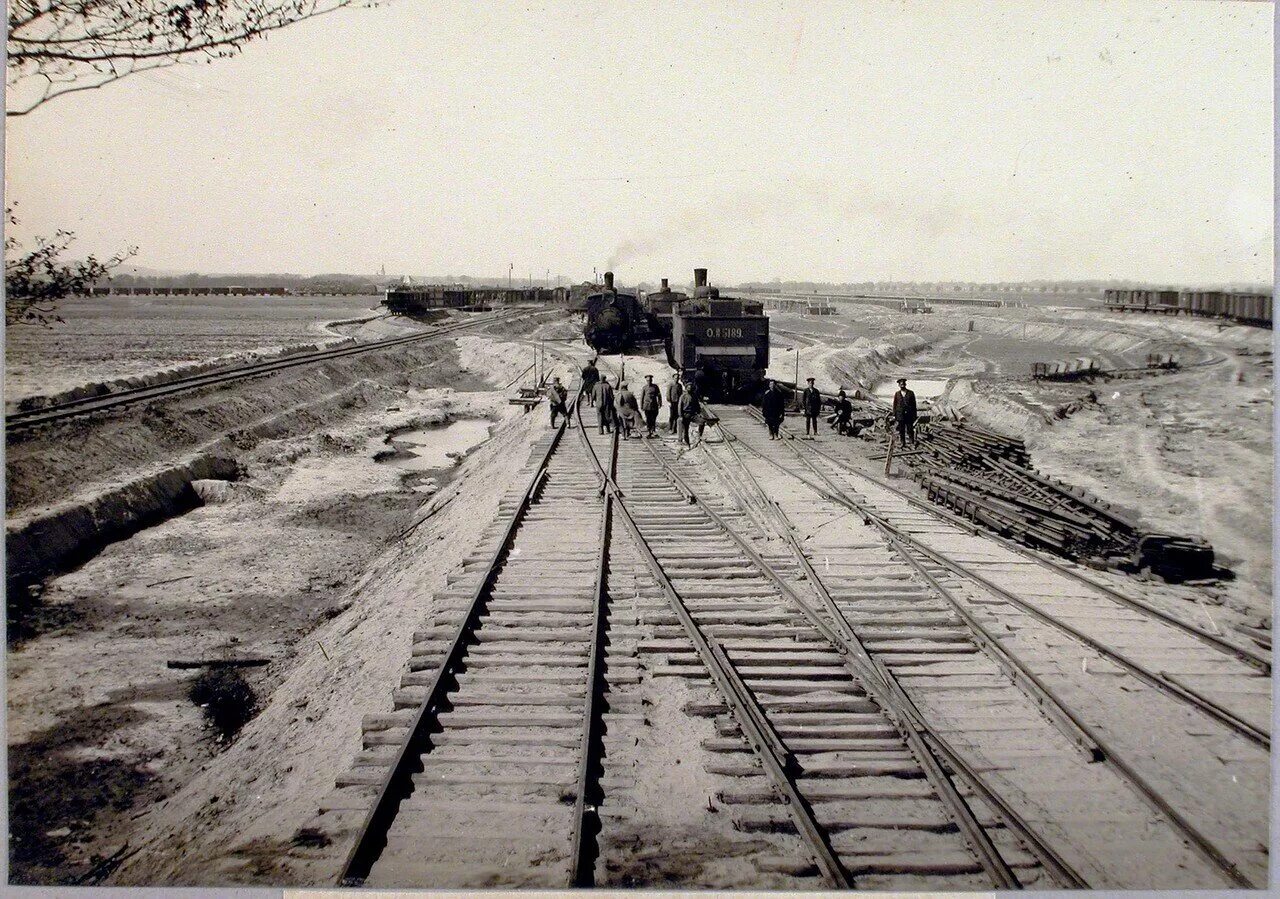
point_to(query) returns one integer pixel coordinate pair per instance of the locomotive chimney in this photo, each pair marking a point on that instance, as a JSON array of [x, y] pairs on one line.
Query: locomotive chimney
[[608, 281], [699, 278], [665, 288]]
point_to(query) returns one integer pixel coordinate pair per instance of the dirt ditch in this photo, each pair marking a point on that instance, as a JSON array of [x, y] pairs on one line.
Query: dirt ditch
[[273, 566]]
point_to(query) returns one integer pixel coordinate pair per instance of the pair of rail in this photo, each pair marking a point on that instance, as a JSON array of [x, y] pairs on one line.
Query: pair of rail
[[25, 419]]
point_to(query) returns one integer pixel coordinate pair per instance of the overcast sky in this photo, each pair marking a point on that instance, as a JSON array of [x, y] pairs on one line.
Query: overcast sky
[[825, 141]]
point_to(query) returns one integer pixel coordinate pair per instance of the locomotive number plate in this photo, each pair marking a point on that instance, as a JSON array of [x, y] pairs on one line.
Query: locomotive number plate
[[724, 333]]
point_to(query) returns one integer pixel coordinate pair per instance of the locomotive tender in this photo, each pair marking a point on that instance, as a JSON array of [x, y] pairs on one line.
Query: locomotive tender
[[722, 345]]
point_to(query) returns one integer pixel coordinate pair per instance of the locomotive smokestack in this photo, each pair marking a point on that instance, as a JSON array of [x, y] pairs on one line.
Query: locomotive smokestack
[[665, 288], [699, 278], [608, 281]]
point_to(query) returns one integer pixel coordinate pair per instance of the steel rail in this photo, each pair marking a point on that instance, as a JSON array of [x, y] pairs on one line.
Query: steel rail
[[30, 418], [1045, 698], [372, 831], [763, 741], [586, 816], [1156, 679], [881, 684], [1109, 756], [1243, 653], [844, 632]]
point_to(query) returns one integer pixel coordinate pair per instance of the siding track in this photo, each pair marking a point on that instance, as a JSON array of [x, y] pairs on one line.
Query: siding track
[[23, 420], [1108, 675]]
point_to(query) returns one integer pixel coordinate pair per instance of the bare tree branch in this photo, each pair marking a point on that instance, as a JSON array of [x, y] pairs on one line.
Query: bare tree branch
[[58, 47], [35, 280]]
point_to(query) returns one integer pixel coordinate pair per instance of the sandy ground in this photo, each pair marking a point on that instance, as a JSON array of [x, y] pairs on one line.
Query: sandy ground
[[308, 563], [1188, 452], [104, 338], [100, 729]]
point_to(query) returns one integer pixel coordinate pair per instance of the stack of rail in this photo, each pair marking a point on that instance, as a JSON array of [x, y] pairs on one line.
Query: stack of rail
[[988, 478]]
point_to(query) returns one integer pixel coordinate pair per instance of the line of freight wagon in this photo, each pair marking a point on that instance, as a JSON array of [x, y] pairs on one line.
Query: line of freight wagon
[[1245, 308]]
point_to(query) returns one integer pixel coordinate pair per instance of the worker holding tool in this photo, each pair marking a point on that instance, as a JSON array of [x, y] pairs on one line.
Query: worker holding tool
[[556, 398]]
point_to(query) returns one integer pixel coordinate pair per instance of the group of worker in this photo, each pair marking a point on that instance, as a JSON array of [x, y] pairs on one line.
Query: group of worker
[[618, 407], [773, 406]]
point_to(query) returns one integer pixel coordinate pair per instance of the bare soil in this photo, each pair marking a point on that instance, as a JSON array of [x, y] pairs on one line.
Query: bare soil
[[101, 731], [103, 338], [323, 560]]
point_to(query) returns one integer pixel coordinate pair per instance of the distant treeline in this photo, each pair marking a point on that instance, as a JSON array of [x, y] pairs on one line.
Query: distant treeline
[[311, 283], [1088, 288]]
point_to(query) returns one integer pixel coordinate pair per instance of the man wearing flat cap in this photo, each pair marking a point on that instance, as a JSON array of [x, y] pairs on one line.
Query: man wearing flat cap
[[811, 405], [904, 413]]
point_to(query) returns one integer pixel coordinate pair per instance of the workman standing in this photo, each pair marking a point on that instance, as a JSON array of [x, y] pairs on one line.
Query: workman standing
[[590, 375], [603, 395], [773, 405], [650, 403], [628, 409], [811, 405], [844, 413], [674, 391], [690, 411], [556, 397], [904, 413]]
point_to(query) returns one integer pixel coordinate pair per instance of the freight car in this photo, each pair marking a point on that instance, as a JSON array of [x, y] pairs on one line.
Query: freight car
[[1246, 308], [720, 344], [617, 322]]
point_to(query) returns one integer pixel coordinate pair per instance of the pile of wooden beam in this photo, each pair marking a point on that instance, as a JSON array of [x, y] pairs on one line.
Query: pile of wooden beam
[[988, 478]]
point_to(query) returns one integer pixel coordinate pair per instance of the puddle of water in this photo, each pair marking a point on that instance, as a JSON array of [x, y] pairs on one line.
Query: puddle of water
[[924, 388], [431, 449]]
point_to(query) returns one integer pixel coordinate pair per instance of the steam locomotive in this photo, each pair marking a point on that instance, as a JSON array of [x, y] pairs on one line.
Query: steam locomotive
[[719, 344], [618, 323]]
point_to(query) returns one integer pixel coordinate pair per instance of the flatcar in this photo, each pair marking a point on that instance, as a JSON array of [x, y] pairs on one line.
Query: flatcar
[[617, 322], [720, 344]]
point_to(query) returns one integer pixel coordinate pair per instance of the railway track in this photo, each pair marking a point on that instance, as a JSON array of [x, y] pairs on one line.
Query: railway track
[[1108, 673], [874, 804], [485, 772], [645, 630], [21, 421]]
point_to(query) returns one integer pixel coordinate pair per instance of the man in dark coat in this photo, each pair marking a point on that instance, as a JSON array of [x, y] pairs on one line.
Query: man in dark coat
[[773, 405], [844, 412], [674, 391], [904, 413], [590, 375], [628, 409], [650, 403], [811, 406], [556, 397], [603, 396], [690, 411]]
